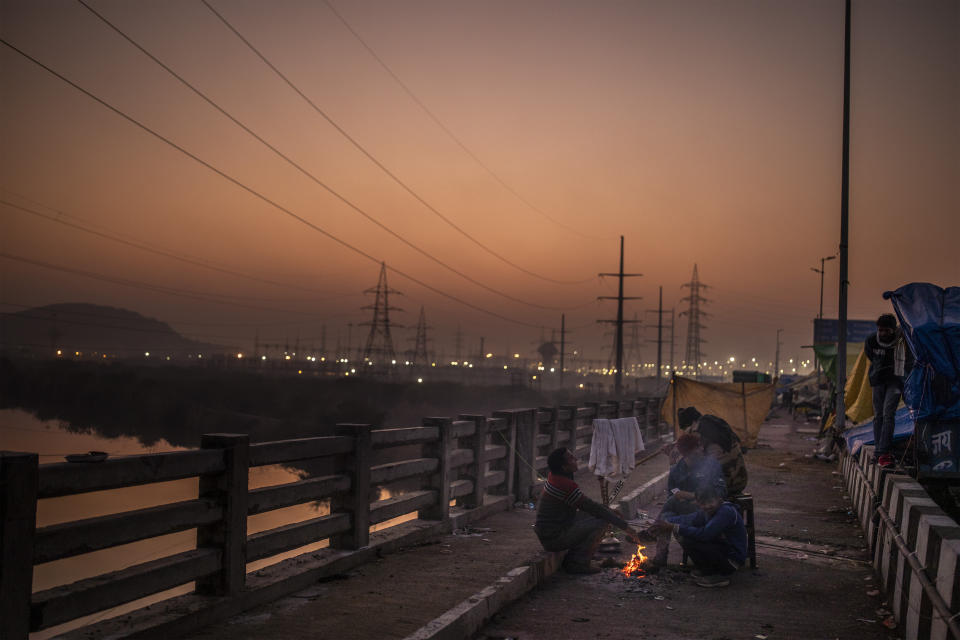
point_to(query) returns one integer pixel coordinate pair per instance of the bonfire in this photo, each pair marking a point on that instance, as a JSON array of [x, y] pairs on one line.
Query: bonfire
[[635, 566]]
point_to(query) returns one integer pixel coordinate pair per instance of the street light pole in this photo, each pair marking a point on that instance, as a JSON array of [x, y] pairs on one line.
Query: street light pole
[[821, 271]]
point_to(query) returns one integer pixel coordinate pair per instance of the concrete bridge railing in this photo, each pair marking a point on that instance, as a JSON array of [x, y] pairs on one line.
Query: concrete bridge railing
[[915, 547], [468, 461]]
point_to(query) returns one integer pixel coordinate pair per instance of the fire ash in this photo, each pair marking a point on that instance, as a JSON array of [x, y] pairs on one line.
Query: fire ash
[[634, 567]]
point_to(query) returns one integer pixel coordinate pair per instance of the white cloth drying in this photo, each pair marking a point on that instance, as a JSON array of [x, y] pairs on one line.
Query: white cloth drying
[[614, 446]]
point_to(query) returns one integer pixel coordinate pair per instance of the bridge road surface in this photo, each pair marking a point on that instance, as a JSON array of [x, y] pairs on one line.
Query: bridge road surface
[[401, 592], [801, 593]]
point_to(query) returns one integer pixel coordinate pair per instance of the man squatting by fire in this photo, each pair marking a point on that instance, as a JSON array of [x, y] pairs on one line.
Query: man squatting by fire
[[569, 521], [693, 470], [714, 537]]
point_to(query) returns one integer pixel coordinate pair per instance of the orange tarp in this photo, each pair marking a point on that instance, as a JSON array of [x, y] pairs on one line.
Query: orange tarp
[[744, 405]]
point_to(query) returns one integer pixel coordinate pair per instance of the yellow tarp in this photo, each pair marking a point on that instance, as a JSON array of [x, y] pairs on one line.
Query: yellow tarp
[[744, 405], [857, 394]]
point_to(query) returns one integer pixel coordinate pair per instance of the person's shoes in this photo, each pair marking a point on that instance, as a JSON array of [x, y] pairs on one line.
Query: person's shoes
[[885, 460], [580, 569], [713, 581]]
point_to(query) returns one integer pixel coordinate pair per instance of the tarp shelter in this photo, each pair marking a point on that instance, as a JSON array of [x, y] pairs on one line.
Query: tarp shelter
[[744, 405], [863, 434], [931, 318]]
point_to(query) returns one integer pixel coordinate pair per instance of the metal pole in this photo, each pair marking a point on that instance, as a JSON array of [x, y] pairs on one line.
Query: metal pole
[[844, 229], [618, 380], [660, 335], [776, 359], [563, 336]]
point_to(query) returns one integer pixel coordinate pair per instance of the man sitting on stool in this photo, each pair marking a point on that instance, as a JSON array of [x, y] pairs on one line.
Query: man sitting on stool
[[568, 520], [714, 537]]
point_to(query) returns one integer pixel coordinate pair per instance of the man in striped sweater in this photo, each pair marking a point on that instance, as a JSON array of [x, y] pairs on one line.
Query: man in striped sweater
[[569, 521]]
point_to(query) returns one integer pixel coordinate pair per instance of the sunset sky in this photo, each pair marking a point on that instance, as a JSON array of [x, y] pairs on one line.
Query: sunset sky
[[703, 132]]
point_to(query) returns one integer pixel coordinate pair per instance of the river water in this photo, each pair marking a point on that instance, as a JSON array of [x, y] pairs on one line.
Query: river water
[[21, 431]]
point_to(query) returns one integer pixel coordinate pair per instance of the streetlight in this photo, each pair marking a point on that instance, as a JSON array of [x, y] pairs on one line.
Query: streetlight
[[821, 271]]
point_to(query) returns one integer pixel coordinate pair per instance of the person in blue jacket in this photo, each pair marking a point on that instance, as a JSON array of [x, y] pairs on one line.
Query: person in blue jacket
[[714, 537]]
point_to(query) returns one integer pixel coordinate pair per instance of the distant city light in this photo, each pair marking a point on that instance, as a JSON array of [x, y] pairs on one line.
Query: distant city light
[[516, 355], [239, 355], [263, 357], [489, 355], [420, 380], [147, 354], [59, 352]]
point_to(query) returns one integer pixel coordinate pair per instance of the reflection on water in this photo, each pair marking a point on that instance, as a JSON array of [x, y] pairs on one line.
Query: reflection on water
[[20, 431]]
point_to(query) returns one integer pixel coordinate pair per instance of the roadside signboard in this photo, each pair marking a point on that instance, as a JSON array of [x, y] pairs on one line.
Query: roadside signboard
[[827, 330]]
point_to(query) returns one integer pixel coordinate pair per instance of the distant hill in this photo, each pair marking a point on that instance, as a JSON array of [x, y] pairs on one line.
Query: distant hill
[[92, 328]]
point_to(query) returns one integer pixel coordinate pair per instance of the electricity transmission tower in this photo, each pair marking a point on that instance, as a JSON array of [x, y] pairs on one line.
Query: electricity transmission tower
[[419, 353], [379, 342], [619, 322], [694, 354]]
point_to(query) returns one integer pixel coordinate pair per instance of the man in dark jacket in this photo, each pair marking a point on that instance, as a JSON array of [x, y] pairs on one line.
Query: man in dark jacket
[[718, 441], [714, 537], [890, 360], [569, 520]]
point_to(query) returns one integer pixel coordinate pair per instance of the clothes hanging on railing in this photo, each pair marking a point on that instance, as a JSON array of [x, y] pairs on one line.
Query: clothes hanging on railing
[[614, 446]]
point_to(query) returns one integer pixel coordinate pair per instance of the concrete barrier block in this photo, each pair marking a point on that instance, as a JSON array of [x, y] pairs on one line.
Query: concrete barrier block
[[947, 582], [932, 529], [911, 508]]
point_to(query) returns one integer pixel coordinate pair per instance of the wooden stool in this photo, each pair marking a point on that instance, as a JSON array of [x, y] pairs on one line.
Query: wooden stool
[[744, 502]]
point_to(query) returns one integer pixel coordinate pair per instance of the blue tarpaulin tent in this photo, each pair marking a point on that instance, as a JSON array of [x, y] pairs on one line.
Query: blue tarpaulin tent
[[930, 316], [863, 433]]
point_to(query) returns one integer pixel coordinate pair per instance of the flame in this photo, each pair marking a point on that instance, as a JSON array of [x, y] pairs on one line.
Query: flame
[[636, 562]]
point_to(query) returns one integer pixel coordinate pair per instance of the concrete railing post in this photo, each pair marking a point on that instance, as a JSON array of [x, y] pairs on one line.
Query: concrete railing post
[[229, 490], [526, 426], [478, 469], [570, 426], [357, 502], [440, 481], [509, 435], [18, 517], [553, 426]]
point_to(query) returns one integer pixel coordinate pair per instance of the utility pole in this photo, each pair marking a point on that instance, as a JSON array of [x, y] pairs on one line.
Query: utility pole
[[661, 325], [618, 379], [841, 419], [458, 344], [672, 322], [563, 343], [776, 359], [660, 334]]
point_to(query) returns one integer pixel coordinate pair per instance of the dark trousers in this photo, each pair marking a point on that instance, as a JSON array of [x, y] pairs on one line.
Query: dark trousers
[[886, 397], [709, 557], [580, 538]]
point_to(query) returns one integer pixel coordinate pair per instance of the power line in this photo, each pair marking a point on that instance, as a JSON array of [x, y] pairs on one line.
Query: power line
[[370, 156], [447, 130], [160, 252], [297, 166], [173, 291], [262, 197]]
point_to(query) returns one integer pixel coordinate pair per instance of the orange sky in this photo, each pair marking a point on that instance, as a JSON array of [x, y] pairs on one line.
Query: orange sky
[[701, 131]]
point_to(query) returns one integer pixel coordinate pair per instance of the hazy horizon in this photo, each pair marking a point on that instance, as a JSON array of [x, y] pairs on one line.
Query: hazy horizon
[[703, 132]]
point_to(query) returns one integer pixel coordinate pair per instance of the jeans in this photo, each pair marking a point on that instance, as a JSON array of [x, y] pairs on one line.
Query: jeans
[[886, 397], [710, 557], [581, 538]]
